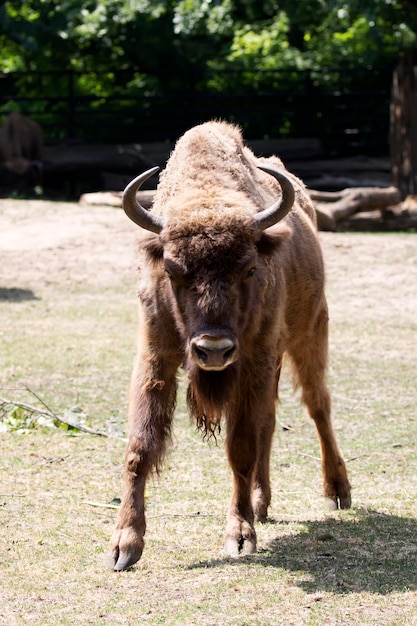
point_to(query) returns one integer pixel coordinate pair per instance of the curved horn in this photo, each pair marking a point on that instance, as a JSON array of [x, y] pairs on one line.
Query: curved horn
[[273, 214], [134, 210]]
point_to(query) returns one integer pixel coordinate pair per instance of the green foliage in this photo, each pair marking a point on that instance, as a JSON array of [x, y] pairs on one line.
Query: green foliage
[[159, 46], [16, 418], [267, 43], [255, 53], [317, 39], [357, 40], [195, 17], [19, 418], [24, 418]]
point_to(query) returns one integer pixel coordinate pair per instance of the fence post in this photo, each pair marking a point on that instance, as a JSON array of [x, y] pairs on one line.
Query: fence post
[[71, 105], [403, 126]]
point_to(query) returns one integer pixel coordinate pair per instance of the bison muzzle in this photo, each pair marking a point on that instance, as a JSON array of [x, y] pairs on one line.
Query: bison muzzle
[[231, 281], [213, 352]]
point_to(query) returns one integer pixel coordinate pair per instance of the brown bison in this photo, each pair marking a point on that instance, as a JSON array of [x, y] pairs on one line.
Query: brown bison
[[230, 280], [21, 151]]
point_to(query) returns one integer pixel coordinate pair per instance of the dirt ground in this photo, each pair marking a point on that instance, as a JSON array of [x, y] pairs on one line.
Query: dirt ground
[[60, 262], [45, 243]]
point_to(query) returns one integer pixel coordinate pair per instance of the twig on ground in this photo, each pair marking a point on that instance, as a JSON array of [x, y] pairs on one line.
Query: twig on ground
[[102, 505], [58, 459], [310, 456], [353, 458], [12, 495]]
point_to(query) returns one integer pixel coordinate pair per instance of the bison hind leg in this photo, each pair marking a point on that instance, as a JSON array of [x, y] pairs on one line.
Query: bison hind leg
[[260, 504], [309, 360]]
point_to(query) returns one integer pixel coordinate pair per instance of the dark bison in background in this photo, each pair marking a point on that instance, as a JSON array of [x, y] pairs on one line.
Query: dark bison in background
[[21, 152], [230, 280]]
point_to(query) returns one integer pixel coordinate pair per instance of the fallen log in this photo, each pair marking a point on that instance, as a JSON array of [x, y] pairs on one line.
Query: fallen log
[[114, 198], [101, 198], [334, 207], [331, 207]]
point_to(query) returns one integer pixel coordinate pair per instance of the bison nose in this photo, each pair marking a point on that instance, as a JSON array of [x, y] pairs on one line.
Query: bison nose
[[213, 353]]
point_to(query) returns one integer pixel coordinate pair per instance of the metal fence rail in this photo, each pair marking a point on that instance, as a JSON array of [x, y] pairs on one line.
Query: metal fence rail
[[345, 122]]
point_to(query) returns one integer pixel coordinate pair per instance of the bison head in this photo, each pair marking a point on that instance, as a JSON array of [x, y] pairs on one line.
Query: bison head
[[215, 261]]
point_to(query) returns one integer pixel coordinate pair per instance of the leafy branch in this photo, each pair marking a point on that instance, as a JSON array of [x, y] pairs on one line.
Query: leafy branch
[[17, 415]]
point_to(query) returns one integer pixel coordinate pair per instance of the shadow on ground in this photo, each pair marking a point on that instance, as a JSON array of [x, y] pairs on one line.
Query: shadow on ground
[[15, 294], [374, 553]]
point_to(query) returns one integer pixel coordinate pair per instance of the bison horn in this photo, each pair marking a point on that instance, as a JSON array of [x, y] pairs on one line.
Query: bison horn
[[273, 214], [133, 209]]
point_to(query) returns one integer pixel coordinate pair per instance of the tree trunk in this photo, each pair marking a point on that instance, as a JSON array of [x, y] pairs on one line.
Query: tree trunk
[[403, 126]]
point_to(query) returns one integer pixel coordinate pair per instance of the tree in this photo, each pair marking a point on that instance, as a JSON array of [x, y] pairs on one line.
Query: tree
[[161, 46], [403, 130], [181, 44]]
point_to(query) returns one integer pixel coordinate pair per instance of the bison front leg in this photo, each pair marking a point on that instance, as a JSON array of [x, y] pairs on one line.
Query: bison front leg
[[240, 536], [261, 487], [250, 428], [127, 542], [248, 446], [151, 407]]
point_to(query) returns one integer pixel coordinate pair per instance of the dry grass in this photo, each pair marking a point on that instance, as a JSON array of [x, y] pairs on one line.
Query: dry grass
[[67, 331]]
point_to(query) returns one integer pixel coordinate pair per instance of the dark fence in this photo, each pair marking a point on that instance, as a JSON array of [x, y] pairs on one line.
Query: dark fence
[[347, 122]]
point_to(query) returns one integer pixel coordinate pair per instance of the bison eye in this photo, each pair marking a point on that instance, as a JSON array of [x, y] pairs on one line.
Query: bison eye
[[251, 272], [171, 277], [175, 277]]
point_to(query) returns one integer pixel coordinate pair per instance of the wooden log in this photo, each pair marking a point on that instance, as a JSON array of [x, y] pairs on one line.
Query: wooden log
[[114, 198], [101, 198], [333, 207]]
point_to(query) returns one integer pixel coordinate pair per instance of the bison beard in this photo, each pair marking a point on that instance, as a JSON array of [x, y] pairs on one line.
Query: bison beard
[[208, 395]]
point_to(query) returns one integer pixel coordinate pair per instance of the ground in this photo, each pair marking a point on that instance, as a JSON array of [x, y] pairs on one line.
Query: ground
[[67, 331], [62, 242]]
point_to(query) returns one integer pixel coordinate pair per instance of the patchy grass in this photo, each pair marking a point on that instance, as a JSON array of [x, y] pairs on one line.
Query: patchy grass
[[67, 308]]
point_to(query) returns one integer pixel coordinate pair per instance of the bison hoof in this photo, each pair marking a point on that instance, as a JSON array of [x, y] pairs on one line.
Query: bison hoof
[[338, 502], [241, 547], [126, 548]]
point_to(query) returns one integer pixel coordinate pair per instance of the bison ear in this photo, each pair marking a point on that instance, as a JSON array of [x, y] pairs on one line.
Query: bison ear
[[151, 244], [270, 240]]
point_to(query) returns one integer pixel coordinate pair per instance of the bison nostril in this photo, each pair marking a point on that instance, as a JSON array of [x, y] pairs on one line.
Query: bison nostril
[[228, 354], [200, 354]]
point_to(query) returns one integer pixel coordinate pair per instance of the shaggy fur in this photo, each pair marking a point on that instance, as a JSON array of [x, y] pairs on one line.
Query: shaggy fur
[[210, 272]]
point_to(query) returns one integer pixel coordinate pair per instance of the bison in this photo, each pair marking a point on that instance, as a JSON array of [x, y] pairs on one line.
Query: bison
[[231, 280], [21, 151]]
